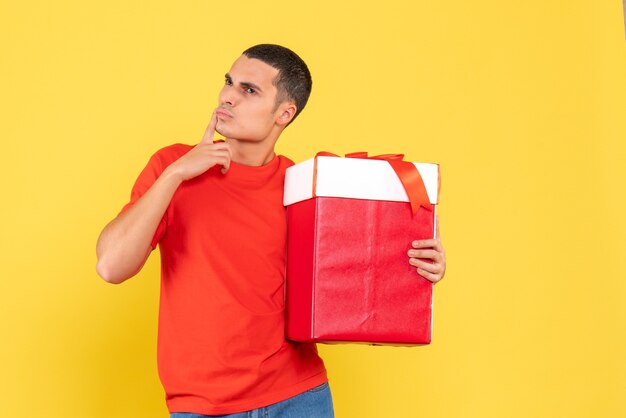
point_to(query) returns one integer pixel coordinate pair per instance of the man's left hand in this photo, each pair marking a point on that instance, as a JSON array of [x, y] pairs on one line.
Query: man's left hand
[[429, 249]]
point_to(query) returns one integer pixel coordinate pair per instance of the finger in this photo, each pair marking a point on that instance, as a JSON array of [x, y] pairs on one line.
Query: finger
[[222, 145], [426, 265], [226, 146], [226, 165], [222, 151], [429, 243], [209, 133], [219, 145], [432, 277], [425, 243], [216, 151], [221, 159], [429, 254]]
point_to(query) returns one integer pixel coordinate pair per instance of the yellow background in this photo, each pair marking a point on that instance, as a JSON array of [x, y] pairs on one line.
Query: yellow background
[[522, 103]]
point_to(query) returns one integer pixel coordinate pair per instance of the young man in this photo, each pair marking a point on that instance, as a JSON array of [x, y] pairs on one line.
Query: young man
[[215, 209]]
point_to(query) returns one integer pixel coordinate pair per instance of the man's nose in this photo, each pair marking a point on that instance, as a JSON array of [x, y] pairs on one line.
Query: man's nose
[[227, 97]]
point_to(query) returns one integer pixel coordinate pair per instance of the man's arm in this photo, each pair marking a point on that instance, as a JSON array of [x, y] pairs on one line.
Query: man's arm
[[125, 243]]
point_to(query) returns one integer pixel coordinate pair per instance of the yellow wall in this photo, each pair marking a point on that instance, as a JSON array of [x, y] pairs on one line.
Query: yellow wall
[[522, 103]]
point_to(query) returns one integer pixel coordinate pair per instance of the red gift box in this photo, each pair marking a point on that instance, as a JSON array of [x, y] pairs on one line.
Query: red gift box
[[350, 224]]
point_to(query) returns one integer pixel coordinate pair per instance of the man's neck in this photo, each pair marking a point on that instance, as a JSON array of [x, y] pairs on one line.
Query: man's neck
[[251, 153]]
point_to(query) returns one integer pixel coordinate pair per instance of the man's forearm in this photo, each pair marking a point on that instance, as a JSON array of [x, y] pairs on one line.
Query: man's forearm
[[124, 245]]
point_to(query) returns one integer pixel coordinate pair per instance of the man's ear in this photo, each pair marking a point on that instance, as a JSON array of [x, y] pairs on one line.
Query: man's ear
[[286, 112]]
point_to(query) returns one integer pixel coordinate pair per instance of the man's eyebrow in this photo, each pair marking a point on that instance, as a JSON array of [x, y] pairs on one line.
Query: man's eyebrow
[[250, 85], [244, 84]]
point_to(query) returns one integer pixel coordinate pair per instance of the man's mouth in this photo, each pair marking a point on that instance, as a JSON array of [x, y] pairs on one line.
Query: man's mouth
[[223, 114]]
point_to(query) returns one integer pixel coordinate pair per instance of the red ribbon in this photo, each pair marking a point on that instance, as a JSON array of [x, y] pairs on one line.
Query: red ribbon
[[408, 174]]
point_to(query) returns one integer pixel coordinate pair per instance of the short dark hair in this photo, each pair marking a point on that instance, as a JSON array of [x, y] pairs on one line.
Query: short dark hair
[[293, 81]]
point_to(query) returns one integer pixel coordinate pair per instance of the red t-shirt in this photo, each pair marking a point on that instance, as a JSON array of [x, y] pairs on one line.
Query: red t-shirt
[[221, 345]]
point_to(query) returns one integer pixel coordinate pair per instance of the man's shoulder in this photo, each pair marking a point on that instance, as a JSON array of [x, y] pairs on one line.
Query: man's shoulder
[[178, 149], [286, 161], [170, 153]]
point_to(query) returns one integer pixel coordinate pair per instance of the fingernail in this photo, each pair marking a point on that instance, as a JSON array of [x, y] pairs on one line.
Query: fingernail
[[416, 243]]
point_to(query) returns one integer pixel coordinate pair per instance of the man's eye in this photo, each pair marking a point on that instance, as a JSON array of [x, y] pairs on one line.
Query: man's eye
[[250, 90], [228, 82]]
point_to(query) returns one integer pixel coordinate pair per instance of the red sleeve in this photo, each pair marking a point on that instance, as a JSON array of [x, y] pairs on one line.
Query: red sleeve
[[146, 178]]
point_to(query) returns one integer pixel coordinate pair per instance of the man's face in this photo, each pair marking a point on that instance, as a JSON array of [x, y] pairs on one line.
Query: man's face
[[247, 102]]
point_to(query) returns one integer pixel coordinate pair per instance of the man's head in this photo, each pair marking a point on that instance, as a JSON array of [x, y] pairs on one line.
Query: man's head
[[265, 89], [294, 79]]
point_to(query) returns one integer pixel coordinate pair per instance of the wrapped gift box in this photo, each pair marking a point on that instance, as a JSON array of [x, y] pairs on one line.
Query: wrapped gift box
[[350, 226]]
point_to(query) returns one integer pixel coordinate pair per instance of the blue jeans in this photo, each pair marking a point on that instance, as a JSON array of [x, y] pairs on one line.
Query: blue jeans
[[314, 403]]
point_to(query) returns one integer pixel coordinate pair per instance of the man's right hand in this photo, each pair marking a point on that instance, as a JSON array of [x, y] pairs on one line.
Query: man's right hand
[[203, 156]]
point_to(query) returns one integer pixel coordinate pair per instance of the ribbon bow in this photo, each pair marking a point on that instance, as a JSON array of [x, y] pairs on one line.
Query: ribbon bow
[[408, 174]]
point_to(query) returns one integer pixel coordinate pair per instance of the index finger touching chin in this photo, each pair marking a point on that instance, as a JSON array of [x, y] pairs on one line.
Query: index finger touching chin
[[209, 133]]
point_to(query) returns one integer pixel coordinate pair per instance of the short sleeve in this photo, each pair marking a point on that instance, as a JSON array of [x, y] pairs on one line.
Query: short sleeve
[[146, 179]]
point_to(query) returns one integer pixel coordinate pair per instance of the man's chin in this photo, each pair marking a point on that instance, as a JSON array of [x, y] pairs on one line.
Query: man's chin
[[222, 130], [219, 130]]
